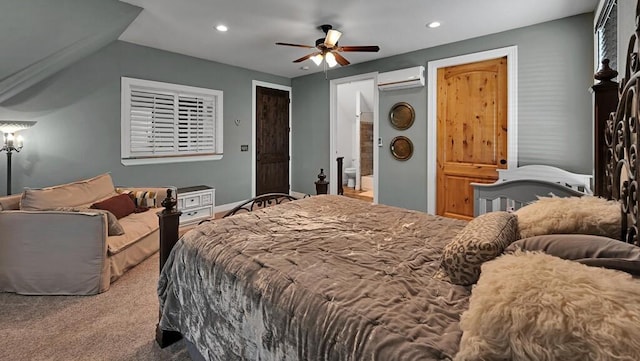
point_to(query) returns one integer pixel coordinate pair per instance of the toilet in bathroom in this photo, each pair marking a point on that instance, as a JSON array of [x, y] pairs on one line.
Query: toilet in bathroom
[[351, 177]]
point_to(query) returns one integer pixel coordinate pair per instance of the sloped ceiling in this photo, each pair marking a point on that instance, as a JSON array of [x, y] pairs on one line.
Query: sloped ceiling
[[41, 37]]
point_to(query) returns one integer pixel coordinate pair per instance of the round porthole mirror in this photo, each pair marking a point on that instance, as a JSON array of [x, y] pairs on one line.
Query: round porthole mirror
[[402, 115], [401, 148]]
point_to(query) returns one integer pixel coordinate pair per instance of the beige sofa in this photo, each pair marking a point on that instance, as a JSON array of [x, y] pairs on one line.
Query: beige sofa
[[46, 250]]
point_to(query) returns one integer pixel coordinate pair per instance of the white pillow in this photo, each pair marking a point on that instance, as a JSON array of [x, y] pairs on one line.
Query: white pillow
[[533, 306], [584, 215]]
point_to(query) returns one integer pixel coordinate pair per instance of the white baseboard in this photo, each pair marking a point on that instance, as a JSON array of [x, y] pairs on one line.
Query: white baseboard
[[297, 194], [227, 207]]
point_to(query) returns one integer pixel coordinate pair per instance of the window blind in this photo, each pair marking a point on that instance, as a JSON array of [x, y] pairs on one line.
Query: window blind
[[607, 34], [196, 125], [168, 120]]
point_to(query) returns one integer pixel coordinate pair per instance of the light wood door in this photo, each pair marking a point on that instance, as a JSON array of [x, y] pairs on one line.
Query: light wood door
[[272, 141], [471, 132]]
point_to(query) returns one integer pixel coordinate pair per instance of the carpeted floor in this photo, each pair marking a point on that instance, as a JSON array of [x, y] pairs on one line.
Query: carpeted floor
[[116, 325]]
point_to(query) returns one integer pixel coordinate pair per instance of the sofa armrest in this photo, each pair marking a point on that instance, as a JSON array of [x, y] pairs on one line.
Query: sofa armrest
[[161, 192], [50, 252]]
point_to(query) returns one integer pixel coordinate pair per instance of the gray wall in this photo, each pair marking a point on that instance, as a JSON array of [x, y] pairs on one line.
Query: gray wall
[[555, 70], [78, 129]]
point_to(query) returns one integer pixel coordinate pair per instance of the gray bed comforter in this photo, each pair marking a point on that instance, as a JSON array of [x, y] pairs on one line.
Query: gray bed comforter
[[323, 278]]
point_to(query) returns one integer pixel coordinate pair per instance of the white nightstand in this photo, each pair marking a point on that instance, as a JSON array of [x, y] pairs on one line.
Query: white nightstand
[[196, 203]]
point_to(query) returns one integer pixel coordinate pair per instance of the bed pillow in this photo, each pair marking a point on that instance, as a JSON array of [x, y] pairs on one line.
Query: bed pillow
[[583, 215], [587, 249], [114, 228], [481, 240], [533, 306], [141, 198], [120, 205]]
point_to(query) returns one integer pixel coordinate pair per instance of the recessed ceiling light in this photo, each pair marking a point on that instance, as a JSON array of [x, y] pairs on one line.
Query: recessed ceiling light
[[433, 24], [222, 28]]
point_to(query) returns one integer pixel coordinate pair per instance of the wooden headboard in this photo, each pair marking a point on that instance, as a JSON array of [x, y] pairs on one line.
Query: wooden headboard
[[623, 143]]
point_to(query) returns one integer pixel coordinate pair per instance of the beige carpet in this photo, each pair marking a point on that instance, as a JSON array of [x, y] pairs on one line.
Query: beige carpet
[[116, 325]]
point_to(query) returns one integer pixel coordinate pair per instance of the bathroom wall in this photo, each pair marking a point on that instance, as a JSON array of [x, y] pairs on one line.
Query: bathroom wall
[[346, 144], [366, 143]]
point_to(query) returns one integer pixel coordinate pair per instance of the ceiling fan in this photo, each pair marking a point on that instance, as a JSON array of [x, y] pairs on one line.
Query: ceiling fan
[[328, 48]]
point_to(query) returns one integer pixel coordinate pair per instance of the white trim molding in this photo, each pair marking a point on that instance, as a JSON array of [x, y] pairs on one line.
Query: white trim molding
[[254, 85], [511, 53]]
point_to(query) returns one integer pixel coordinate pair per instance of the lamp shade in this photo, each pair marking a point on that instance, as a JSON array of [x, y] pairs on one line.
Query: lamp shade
[[12, 126], [332, 38], [317, 59], [330, 59]]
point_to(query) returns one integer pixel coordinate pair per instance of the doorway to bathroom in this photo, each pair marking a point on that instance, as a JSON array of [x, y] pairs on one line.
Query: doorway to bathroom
[[353, 135]]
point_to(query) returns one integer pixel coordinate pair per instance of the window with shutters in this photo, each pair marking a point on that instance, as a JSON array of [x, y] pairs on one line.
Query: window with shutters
[[607, 34], [165, 123]]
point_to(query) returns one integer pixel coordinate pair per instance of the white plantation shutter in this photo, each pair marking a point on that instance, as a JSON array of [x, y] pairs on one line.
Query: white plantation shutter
[[196, 124], [607, 34], [162, 120], [152, 123]]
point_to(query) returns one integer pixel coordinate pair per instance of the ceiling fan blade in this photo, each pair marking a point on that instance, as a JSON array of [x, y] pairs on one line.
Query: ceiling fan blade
[[340, 59], [370, 48], [305, 57], [297, 45], [332, 38]]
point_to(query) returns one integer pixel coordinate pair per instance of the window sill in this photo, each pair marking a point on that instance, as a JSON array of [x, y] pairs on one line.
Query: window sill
[[165, 160]]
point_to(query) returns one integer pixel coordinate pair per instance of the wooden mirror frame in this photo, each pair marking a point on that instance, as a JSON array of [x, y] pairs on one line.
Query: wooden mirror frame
[[402, 116]]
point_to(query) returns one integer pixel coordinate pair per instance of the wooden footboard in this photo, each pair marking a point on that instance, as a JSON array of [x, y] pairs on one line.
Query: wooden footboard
[[511, 195]]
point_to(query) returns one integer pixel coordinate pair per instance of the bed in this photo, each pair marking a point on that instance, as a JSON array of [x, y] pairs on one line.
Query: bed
[[331, 278], [363, 273]]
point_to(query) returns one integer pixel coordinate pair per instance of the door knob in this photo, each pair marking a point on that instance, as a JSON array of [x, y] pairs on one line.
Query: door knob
[[503, 161]]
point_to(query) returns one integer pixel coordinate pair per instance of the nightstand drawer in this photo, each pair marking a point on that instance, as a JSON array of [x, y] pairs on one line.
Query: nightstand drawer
[[196, 203], [207, 198], [192, 201], [197, 214]]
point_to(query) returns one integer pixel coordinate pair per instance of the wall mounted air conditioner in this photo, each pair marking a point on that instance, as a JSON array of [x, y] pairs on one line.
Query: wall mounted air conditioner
[[401, 79]]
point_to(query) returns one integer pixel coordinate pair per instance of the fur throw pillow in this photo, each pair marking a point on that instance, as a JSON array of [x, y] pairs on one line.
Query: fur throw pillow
[[533, 306], [586, 215]]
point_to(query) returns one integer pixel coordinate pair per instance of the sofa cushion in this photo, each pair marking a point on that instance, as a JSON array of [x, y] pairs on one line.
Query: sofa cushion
[[74, 194], [120, 205], [136, 226], [142, 198], [10, 203], [113, 226]]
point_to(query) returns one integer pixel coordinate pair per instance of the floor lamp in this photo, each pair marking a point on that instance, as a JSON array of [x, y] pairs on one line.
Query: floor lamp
[[12, 142]]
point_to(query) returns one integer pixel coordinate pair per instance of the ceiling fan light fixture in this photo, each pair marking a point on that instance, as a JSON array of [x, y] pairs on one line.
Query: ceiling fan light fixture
[[332, 38], [317, 59], [331, 59]]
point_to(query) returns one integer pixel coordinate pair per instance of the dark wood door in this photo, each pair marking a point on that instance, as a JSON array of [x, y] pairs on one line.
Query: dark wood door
[[272, 140], [472, 132]]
